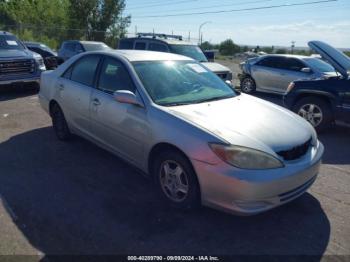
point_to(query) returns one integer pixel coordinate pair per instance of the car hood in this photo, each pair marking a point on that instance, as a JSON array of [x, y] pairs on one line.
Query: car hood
[[5, 54], [335, 57], [248, 121], [215, 67]]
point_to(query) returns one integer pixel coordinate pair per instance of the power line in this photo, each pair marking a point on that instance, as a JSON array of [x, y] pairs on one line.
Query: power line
[[237, 10], [213, 6], [162, 4]]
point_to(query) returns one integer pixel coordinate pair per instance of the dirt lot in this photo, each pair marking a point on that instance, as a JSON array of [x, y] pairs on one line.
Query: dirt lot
[[75, 198]]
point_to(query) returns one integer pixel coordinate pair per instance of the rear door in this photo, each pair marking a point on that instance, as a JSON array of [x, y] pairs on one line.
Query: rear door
[[120, 127], [267, 73], [290, 70], [74, 90]]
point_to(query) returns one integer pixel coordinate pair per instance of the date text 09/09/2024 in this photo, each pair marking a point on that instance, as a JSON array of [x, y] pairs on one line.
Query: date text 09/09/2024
[[173, 258]]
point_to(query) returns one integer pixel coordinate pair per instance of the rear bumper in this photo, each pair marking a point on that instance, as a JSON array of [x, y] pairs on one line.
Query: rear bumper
[[249, 192]]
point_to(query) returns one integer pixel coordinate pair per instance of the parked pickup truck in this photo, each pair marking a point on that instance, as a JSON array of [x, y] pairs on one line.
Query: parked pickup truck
[[17, 63]]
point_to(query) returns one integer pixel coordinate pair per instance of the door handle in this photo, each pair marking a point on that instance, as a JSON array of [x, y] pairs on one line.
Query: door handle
[[60, 87], [96, 102]]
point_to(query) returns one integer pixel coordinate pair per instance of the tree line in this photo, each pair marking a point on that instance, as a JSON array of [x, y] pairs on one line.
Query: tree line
[[53, 21]]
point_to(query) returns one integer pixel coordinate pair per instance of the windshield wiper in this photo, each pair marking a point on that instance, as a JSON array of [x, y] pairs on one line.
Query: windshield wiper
[[214, 99]]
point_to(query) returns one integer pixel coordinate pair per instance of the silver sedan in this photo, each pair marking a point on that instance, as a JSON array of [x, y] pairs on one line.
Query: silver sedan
[[273, 73], [174, 119]]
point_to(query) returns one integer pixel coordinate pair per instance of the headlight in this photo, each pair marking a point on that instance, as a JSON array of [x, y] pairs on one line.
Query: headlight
[[290, 87], [40, 61], [244, 157]]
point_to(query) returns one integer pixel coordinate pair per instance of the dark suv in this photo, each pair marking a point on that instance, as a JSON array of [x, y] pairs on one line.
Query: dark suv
[[325, 100], [173, 44], [17, 63], [73, 47]]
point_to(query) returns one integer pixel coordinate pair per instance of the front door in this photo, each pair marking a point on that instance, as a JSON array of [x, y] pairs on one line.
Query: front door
[[120, 127]]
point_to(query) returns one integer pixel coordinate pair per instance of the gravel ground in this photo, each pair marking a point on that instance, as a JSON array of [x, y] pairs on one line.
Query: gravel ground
[[75, 198]]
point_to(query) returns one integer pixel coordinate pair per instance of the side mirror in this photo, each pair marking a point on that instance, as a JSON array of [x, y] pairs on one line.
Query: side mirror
[[306, 70], [127, 97], [229, 83]]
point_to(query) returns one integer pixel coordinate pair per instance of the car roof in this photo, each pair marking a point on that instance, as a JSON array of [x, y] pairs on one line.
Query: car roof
[[32, 43], [167, 41], [83, 42], [140, 55], [286, 55], [5, 33]]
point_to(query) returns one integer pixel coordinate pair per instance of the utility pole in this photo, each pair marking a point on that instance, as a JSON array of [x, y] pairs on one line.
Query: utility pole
[[189, 36], [292, 47]]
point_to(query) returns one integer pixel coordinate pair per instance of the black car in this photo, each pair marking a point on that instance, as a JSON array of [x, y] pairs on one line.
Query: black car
[[50, 57], [323, 101]]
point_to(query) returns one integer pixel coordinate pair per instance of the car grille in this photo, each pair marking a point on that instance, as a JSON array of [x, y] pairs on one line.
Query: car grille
[[17, 67], [295, 152], [222, 75]]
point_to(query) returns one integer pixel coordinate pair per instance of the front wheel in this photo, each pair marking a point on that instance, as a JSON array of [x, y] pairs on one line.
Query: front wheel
[[316, 111], [248, 85], [176, 180]]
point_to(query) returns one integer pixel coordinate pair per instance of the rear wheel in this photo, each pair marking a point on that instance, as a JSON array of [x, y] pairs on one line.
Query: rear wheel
[[176, 180], [59, 123], [316, 111], [248, 85]]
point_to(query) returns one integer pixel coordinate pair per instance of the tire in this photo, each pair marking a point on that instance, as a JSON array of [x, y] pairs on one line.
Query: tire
[[316, 111], [59, 123], [248, 85], [168, 183]]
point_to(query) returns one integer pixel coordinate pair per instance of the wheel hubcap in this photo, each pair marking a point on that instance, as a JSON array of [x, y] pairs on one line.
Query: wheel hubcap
[[247, 85], [311, 113], [174, 181]]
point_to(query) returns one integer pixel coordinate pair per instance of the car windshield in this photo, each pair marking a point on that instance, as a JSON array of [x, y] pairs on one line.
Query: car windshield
[[192, 51], [319, 64], [171, 83], [95, 46], [10, 42]]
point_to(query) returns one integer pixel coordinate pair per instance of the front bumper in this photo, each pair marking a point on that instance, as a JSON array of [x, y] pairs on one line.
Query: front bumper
[[248, 192], [17, 79]]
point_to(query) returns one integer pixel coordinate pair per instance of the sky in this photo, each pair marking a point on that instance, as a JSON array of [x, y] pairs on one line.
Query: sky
[[327, 21]]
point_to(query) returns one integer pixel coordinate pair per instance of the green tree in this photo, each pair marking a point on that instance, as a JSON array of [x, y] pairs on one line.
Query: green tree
[[228, 47], [207, 46], [281, 51], [103, 20]]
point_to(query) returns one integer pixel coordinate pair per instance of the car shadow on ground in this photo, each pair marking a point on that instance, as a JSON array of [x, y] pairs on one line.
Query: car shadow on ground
[[9, 92], [75, 198]]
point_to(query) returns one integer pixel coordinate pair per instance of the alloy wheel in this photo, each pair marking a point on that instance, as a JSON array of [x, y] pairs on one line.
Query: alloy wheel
[[312, 113], [174, 181]]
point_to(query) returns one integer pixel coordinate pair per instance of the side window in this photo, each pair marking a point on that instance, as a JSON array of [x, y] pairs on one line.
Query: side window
[[157, 47], [293, 64], [273, 62], [83, 70], [126, 44], [114, 77], [78, 48], [69, 46], [67, 74], [140, 45]]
